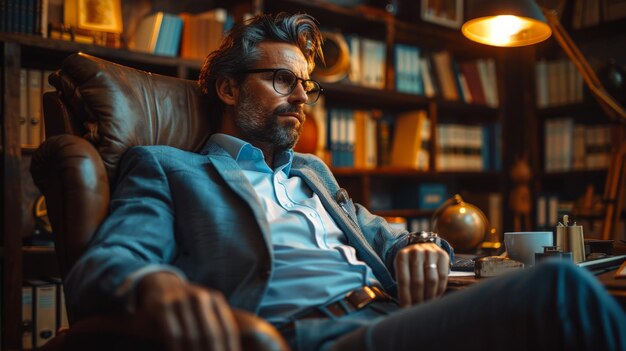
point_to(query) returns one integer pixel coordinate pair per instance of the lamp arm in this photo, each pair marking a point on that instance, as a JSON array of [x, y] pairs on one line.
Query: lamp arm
[[608, 103]]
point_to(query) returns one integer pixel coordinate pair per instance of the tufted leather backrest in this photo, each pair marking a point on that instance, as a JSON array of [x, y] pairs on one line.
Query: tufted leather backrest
[[115, 107], [98, 111]]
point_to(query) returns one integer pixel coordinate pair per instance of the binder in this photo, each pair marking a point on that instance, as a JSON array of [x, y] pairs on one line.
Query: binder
[[27, 317], [43, 311], [24, 120], [34, 108], [61, 311]]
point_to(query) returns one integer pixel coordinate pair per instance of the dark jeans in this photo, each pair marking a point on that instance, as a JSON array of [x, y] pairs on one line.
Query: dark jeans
[[553, 306]]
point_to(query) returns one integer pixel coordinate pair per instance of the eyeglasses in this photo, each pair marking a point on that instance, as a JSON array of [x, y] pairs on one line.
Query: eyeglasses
[[284, 82]]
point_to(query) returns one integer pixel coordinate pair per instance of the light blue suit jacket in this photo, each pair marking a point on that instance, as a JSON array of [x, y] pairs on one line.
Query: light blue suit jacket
[[198, 213]]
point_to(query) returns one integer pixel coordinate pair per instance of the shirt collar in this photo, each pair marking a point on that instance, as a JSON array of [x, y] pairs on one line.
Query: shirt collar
[[244, 153]]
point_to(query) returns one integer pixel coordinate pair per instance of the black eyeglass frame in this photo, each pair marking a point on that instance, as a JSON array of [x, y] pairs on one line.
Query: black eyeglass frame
[[293, 86]]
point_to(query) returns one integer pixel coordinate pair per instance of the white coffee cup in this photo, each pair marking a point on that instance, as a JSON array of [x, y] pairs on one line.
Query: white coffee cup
[[522, 246]]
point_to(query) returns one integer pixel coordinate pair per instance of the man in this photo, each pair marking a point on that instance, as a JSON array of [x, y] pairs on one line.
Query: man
[[248, 223]]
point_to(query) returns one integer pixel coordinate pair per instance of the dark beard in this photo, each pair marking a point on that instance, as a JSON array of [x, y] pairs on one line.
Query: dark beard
[[256, 129]]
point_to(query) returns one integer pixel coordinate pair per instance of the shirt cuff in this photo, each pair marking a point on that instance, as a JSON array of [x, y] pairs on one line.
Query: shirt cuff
[[128, 289]]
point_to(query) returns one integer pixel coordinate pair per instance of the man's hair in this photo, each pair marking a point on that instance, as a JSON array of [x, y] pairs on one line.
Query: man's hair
[[239, 50]]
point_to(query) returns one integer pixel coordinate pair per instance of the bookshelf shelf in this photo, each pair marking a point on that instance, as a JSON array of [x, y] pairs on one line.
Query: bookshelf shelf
[[411, 173], [404, 213], [583, 109], [38, 249], [32, 45], [579, 174], [349, 94]]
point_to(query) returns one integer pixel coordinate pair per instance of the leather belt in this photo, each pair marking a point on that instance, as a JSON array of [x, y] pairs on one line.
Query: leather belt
[[352, 301]]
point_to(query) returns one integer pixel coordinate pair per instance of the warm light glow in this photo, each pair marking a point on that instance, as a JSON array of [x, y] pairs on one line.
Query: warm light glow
[[462, 210], [506, 30], [503, 28]]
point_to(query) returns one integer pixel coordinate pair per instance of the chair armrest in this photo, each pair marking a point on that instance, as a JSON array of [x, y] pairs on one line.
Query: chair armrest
[[125, 332], [70, 174]]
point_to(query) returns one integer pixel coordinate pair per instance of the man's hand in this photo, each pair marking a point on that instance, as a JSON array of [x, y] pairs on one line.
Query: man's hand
[[421, 273], [190, 317]]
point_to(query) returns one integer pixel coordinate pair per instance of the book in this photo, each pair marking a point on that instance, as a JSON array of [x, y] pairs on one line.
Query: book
[[383, 140], [61, 311], [43, 311], [431, 195], [446, 78], [159, 34], [355, 74], [27, 317], [407, 139], [487, 73], [24, 120], [372, 63], [35, 109], [428, 78]]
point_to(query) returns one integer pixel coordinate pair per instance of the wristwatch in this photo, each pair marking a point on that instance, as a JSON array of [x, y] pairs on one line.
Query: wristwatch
[[423, 238]]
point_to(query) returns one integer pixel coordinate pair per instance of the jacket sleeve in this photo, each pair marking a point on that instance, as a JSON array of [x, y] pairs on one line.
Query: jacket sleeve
[[386, 240], [137, 236]]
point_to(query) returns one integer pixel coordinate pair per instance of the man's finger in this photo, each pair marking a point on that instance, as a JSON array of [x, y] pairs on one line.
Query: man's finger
[[202, 308], [431, 279], [190, 334], [171, 328], [403, 277], [417, 285], [444, 267], [226, 319]]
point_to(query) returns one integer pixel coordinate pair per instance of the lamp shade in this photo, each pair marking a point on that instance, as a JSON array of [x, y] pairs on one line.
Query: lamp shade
[[506, 23]]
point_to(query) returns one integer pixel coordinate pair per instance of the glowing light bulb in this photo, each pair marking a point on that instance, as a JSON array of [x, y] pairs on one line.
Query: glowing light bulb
[[503, 28]]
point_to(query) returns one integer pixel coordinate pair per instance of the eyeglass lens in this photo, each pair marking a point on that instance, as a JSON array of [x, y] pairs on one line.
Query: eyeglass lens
[[285, 82]]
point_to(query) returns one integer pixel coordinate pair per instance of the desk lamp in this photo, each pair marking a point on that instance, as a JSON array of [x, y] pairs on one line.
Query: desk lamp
[[511, 23]]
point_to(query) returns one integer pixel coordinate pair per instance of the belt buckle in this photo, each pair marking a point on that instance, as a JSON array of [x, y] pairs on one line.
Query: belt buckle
[[361, 297]]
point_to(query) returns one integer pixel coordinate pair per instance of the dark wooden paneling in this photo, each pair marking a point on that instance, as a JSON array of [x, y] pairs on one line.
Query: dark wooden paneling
[[12, 231]]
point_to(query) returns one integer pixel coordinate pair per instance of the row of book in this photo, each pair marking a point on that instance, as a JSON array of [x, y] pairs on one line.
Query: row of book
[[24, 16], [33, 83], [426, 196], [439, 74], [558, 83], [588, 13], [363, 139], [203, 32], [187, 35], [43, 312], [369, 139], [462, 147], [352, 137], [547, 211], [572, 146], [367, 61], [550, 208]]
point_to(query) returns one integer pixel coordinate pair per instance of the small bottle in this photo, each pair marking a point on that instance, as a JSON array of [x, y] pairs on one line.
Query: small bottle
[[571, 239]]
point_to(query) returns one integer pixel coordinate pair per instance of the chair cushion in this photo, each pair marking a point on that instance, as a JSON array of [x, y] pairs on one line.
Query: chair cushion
[[120, 107]]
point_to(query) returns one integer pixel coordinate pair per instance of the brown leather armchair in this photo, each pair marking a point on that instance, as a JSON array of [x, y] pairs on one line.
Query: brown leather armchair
[[98, 111]]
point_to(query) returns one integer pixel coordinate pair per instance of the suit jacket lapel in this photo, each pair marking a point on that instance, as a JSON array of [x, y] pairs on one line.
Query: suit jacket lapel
[[239, 184]]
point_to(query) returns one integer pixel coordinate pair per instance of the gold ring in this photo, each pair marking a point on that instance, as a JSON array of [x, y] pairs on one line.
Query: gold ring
[[432, 265]]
